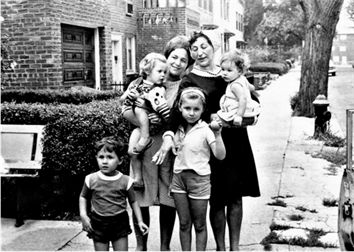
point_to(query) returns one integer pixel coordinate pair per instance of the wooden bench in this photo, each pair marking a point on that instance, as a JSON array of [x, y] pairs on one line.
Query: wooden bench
[[21, 156]]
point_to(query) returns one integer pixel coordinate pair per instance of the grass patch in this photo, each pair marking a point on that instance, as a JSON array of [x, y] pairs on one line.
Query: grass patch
[[283, 197], [296, 217], [277, 202], [331, 139], [311, 241], [332, 170], [274, 226], [335, 157], [304, 209], [330, 202]]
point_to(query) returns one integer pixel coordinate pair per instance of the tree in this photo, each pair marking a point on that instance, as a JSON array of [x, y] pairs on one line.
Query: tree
[[350, 10], [282, 24], [321, 18], [253, 16]]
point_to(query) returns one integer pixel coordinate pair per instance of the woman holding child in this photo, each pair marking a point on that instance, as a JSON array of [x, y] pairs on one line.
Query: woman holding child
[[233, 177], [157, 178]]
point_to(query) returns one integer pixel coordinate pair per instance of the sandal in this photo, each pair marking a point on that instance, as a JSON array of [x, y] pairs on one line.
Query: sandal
[[141, 148]]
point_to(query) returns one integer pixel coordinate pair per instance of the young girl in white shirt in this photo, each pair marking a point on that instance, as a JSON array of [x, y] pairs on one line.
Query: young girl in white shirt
[[190, 185]]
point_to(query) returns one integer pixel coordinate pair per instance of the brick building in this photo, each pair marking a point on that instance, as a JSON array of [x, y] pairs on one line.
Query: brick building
[[59, 44], [98, 43], [343, 42]]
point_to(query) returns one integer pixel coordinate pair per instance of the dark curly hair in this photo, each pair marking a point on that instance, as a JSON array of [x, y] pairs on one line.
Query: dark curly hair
[[177, 42], [199, 34], [111, 144]]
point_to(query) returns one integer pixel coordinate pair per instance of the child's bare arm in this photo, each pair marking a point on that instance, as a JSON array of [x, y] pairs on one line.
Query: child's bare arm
[[136, 209], [240, 93], [86, 222], [218, 147], [129, 93]]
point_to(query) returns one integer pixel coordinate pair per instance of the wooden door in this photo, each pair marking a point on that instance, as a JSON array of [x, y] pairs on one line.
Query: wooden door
[[78, 56]]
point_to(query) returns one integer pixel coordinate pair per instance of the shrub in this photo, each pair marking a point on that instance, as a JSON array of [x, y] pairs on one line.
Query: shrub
[[272, 67], [76, 96], [68, 153], [295, 104]]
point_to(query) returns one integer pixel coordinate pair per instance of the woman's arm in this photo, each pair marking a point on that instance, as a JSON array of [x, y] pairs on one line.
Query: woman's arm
[[171, 125]]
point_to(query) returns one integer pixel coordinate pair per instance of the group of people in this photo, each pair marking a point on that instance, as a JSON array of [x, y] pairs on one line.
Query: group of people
[[198, 153]]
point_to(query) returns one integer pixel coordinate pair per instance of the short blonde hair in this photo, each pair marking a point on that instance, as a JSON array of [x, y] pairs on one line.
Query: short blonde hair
[[148, 63], [240, 59]]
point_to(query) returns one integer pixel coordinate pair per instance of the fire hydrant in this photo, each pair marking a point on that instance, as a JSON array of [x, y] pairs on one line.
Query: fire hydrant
[[322, 115]]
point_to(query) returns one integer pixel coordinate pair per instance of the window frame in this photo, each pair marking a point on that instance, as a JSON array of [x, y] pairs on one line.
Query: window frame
[[127, 13], [130, 55]]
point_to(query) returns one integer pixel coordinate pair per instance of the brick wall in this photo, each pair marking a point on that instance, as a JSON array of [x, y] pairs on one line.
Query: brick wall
[[35, 30], [152, 37]]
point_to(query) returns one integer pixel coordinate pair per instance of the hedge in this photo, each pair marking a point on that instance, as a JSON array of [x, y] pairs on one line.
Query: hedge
[[68, 153], [73, 96], [272, 67]]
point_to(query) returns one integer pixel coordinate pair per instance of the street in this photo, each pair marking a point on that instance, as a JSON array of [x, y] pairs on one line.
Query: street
[[341, 94]]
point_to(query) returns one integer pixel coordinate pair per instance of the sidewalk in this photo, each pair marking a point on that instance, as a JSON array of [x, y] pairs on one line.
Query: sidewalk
[[289, 169]]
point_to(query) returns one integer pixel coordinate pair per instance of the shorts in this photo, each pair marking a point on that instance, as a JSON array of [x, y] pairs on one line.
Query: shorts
[[194, 185], [109, 228]]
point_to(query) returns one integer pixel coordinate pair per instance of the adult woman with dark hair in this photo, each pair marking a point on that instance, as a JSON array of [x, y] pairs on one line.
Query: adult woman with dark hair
[[157, 178], [233, 177]]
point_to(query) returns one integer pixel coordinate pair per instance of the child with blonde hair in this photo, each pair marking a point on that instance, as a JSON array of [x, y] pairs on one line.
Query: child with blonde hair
[[143, 96], [190, 186], [237, 108]]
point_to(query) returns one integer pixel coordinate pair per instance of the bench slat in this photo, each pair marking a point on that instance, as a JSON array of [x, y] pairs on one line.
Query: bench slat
[[18, 164], [14, 175]]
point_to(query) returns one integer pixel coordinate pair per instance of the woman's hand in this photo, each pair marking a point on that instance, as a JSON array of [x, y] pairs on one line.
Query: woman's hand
[[154, 118], [166, 146]]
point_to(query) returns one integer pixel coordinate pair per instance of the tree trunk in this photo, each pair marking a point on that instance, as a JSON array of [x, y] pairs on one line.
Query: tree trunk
[[321, 17]]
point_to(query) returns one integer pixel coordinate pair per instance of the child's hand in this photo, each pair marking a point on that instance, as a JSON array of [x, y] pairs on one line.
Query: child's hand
[[215, 124], [237, 120], [143, 228], [86, 224], [133, 94]]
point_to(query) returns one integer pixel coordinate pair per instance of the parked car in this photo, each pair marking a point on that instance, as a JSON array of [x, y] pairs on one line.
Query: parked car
[[332, 70]]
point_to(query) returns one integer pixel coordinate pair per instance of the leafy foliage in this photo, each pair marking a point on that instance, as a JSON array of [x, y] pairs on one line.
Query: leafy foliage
[[7, 63], [271, 67], [282, 24], [253, 16], [68, 153], [350, 10], [56, 96]]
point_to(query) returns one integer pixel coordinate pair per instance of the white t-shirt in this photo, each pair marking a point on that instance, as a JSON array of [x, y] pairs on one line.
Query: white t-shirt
[[193, 149]]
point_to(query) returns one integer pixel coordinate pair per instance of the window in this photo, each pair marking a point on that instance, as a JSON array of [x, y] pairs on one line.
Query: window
[[211, 5], [130, 51], [224, 9], [227, 10], [129, 8], [200, 3], [343, 37], [342, 48]]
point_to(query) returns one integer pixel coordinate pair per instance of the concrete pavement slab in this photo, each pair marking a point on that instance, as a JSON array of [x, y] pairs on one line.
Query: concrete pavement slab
[[37, 235]]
